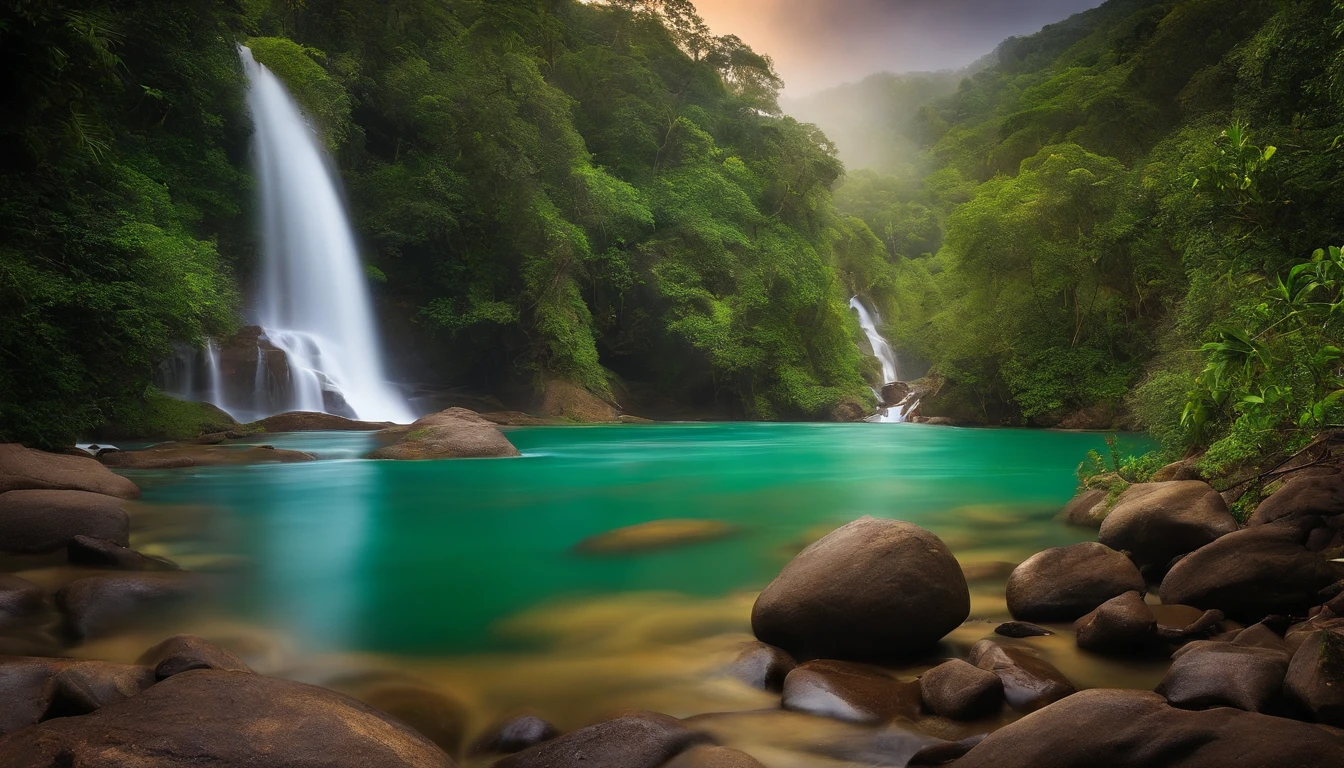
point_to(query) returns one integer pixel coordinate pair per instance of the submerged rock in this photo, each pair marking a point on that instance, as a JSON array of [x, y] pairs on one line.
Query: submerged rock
[[24, 469], [853, 693], [961, 691], [20, 600], [452, 434], [101, 553], [761, 666], [871, 589], [658, 534], [184, 455], [1021, 629], [99, 605], [1253, 573], [1029, 682], [207, 717], [1064, 583], [1088, 509], [45, 521], [1137, 729], [1157, 522], [626, 742]]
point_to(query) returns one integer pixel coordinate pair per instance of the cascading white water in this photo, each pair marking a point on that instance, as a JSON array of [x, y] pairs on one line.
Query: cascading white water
[[216, 395], [885, 355], [313, 301]]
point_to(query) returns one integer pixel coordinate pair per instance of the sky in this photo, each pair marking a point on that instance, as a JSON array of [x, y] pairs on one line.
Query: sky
[[817, 44]]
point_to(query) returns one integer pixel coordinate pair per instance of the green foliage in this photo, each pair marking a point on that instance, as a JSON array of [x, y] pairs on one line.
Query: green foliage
[[301, 68], [156, 416]]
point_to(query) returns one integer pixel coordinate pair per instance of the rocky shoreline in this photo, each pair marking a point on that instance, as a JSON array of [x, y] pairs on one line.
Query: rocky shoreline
[[870, 627]]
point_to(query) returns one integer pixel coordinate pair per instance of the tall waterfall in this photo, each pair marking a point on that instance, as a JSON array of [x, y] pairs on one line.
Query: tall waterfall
[[885, 355], [313, 302]]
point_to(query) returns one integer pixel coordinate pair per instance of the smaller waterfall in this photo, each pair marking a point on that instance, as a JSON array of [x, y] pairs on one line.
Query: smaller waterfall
[[194, 374], [216, 394], [885, 355]]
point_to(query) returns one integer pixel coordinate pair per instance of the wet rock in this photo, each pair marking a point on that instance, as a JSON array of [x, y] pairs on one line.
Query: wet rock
[[20, 600], [452, 434], [99, 605], [86, 686], [208, 717], [1183, 622], [514, 735], [101, 553], [565, 400], [183, 455], [1136, 729], [895, 393], [26, 690], [655, 535], [871, 589], [853, 693], [1315, 680], [1121, 625], [183, 653], [24, 469], [45, 521], [1301, 497], [439, 718], [1209, 673], [1064, 583], [1020, 629], [1029, 682], [305, 421], [626, 742], [713, 757], [1088, 509], [1157, 522], [947, 752], [761, 666], [961, 691], [1253, 573]]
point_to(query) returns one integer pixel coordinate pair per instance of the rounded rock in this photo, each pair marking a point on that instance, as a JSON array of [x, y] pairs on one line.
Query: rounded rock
[[1158, 522], [45, 521], [1065, 583], [961, 691]]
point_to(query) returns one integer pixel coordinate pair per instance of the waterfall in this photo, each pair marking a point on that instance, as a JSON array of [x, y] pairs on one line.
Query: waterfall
[[885, 355], [313, 301], [216, 394]]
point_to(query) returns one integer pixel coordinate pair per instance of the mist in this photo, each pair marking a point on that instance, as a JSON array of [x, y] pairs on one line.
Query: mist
[[817, 44]]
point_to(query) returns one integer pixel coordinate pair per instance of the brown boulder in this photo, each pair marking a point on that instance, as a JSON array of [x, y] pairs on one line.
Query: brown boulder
[[514, 735], [761, 666], [894, 393], [1136, 729], [306, 421], [100, 605], [184, 455], [626, 742], [1253, 573], [1088, 509], [23, 469], [1121, 625], [452, 434], [45, 521], [1315, 681], [566, 400], [713, 757], [853, 693], [1300, 497], [961, 691], [183, 653], [1185, 469], [208, 717], [871, 589], [1211, 673], [20, 600], [1064, 583], [654, 535], [1029, 682], [86, 686], [1157, 522]]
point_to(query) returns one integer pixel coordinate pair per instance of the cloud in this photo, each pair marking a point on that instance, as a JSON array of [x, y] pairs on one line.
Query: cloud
[[820, 43]]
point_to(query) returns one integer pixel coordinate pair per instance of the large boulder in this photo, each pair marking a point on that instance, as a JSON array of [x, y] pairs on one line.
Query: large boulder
[[45, 521], [208, 717], [1088, 509], [853, 693], [633, 741], [1029, 682], [1315, 681], [566, 400], [1064, 583], [1253, 573], [1137, 729], [961, 691], [452, 434], [1157, 522], [1211, 673], [1300, 497], [871, 589], [1121, 625], [97, 606], [306, 421], [24, 469]]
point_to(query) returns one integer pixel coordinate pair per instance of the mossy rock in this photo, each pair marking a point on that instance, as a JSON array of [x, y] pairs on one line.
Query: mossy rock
[[162, 417]]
